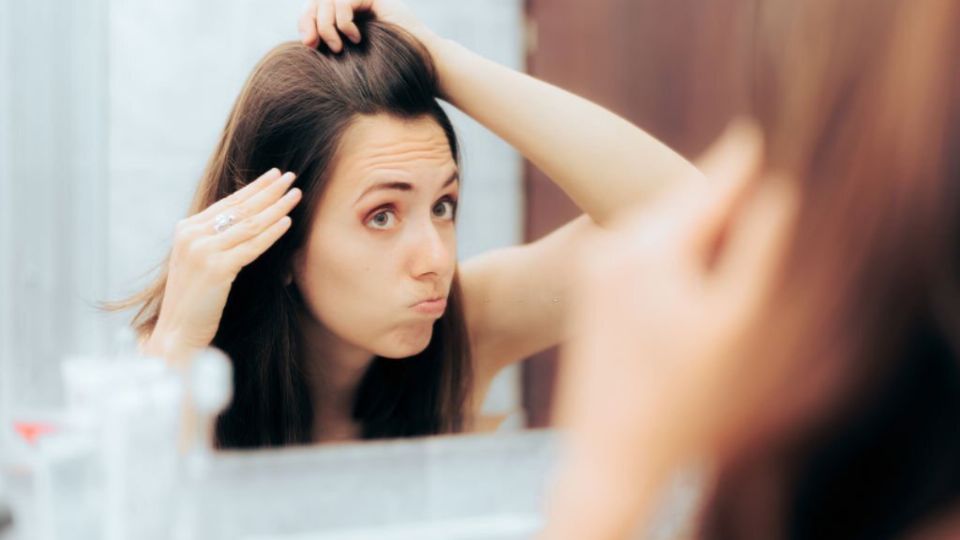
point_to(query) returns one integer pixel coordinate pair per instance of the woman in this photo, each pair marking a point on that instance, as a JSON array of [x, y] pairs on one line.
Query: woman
[[349, 317], [801, 335]]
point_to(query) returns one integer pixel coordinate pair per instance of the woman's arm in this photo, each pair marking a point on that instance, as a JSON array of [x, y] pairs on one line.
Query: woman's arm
[[603, 162]]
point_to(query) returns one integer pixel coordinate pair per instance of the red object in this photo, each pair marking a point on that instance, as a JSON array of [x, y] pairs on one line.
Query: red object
[[31, 431]]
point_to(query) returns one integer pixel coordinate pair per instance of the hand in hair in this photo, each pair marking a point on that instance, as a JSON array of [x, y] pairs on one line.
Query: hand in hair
[[328, 19], [205, 261], [650, 375]]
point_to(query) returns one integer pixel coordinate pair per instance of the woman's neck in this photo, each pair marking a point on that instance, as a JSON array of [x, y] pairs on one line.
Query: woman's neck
[[334, 369]]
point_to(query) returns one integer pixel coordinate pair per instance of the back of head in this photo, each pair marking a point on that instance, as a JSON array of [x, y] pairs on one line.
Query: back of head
[[859, 101]]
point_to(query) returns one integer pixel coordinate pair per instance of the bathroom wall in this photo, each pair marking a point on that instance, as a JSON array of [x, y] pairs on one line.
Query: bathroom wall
[[53, 191]]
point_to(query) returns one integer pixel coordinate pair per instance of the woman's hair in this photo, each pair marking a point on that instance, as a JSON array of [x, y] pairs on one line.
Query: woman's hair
[[292, 114], [856, 432]]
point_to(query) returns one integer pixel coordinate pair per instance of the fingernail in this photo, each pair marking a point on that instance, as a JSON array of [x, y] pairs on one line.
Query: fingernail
[[288, 177]]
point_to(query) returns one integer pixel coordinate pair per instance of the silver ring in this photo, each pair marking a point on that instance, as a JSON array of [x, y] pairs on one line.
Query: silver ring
[[223, 222]]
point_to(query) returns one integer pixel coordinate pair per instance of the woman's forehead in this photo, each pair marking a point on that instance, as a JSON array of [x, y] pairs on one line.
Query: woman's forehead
[[382, 146], [382, 149]]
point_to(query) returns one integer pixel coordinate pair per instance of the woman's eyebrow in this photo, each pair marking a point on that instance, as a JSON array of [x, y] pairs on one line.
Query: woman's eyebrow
[[404, 186]]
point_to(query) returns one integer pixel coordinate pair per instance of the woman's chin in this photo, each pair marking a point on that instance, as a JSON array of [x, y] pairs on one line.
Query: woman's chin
[[400, 354], [406, 347]]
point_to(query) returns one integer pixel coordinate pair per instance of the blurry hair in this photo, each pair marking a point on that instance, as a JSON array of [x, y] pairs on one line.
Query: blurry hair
[[857, 432], [292, 114]]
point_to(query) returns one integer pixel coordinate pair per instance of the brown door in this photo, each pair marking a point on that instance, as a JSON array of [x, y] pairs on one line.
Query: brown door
[[667, 65]]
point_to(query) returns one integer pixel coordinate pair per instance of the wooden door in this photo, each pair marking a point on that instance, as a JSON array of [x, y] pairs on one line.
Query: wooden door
[[669, 66]]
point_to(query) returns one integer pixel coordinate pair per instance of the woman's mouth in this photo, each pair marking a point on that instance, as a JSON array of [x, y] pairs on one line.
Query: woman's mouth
[[432, 306]]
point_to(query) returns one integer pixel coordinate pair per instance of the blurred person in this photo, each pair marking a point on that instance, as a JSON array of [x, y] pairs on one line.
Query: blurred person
[[795, 326], [335, 290]]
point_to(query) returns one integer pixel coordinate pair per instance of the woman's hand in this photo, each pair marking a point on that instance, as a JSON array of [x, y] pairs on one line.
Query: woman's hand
[[327, 19], [651, 375], [210, 248]]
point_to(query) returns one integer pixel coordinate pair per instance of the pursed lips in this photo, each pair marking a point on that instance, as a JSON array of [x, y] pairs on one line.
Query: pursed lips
[[431, 306]]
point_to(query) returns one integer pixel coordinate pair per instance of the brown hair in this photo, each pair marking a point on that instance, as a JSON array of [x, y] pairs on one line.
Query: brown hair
[[291, 114], [855, 431]]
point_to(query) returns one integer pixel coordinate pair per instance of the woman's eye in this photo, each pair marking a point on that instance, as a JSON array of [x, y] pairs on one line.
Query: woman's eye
[[383, 219], [445, 209]]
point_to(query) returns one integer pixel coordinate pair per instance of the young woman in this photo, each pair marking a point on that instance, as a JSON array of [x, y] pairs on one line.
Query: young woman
[[340, 300], [796, 330]]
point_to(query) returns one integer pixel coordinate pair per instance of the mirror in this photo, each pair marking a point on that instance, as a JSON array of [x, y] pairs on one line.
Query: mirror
[[103, 143], [148, 106]]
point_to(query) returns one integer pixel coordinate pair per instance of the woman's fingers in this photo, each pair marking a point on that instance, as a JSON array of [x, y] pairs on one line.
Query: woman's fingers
[[243, 207], [265, 197], [730, 167], [247, 252], [759, 242], [238, 197], [344, 16], [246, 215], [326, 22], [327, 19], [307, 24], [251, 227]]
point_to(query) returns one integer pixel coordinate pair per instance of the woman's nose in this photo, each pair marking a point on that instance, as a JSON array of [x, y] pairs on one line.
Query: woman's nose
[[433, 251]]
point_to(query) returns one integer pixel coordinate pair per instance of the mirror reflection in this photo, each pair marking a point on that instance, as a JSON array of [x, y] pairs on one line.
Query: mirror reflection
[[320, 250]]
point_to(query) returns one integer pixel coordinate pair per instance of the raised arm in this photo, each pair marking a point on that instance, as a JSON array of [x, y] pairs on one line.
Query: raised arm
[[603, 162]]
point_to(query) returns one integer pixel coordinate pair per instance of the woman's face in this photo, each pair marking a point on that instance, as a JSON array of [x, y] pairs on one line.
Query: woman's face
[[381, 253]]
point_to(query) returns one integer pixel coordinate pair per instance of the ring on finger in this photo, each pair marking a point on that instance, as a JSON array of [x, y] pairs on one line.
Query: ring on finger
[[224, 221]]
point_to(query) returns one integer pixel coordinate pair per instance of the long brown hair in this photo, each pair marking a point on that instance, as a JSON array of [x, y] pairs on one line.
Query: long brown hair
[[291, 114], [856, 431]]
